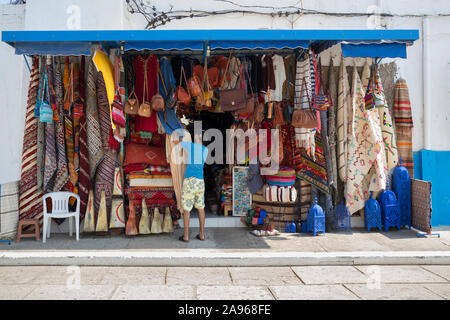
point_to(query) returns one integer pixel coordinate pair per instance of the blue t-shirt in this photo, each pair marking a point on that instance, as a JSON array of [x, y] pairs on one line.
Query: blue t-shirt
[[196, 158]]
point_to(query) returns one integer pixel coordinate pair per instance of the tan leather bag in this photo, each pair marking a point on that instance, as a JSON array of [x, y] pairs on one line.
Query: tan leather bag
[[132, 104], [182, 95], [157, 99], [194, 86], [145, 109]]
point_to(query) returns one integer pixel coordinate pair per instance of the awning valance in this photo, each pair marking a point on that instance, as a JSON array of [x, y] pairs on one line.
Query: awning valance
[[384, 43]]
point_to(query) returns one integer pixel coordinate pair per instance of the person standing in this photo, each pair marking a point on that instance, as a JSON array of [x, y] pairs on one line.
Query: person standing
[[193, 191]]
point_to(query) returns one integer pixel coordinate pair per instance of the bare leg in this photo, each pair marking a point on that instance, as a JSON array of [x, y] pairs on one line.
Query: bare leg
[[201, 220], [186, 224]]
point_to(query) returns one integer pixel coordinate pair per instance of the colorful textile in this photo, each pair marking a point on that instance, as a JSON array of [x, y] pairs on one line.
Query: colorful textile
[[310, 170], [302, 71], [287, 136], [105, 172], [40, 153], [365, 78], [387, 128], [62, 173], [342, 121], [151, 182], [30, 198], [365, 167], [193, 194], [140, 154], [403, 125], [50, 164], [94, 139]]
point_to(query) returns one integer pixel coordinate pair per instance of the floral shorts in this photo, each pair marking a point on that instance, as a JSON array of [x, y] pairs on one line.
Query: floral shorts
[[193, 193]]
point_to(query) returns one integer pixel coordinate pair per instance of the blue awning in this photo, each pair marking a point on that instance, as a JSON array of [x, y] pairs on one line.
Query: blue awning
[[75, 42], [381, 50]]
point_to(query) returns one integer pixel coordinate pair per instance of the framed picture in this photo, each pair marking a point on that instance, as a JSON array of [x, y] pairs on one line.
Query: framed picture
[[242, 197]]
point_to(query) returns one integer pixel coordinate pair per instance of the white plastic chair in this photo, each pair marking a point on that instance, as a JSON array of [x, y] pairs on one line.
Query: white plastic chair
[[60, 209]]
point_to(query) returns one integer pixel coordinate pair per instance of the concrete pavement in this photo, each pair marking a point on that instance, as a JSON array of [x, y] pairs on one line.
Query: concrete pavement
[[235, 283], [232, 247]]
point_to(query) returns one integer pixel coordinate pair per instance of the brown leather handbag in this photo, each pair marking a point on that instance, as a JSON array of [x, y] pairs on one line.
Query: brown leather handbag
[[157, 99], [194, 86], [232, 99], [304, 118], [145, 109], [182, 95], [132, 104], [278, 119]]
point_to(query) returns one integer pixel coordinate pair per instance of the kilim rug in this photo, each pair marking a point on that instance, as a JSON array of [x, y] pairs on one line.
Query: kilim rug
[[387, 128], [84, 182], [310, 170], [50, 164], [342, 121], [365, 152], [30, 198], [403, 125], [94, 139], [62, 173]]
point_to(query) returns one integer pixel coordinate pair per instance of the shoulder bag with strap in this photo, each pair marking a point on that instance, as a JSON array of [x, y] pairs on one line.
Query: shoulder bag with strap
[[157, 99], [232, 99], [304, 118], [145, 109], [321, 101], [182, 95], [45, 110]]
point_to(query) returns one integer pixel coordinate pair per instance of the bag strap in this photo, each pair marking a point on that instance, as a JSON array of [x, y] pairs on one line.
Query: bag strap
[[144, 91], [249, 83], [226, 68], [162, 80]]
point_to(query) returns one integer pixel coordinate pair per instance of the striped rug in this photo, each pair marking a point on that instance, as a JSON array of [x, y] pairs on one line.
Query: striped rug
[[30, 198], [341, 121], [403, 125], [50, 162]]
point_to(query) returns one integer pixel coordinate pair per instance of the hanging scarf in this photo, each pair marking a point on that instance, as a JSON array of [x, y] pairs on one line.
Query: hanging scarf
[[30, 199], [365, 152], [387, 128], [50, 165], [62, 174], [403, 125], [341, 121], [94, 138]]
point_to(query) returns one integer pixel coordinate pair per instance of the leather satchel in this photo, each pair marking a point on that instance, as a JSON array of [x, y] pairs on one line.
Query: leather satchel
[[233, 99], [145, 109], [194, 86], [304, 118], [182, 95], [132, 104]]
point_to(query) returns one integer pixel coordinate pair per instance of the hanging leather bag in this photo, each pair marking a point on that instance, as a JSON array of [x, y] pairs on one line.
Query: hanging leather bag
[[145, 109], [232, 99], [251, 100], [193, 84], [157, 99], [132, 104], [182, 95], [304, 118]]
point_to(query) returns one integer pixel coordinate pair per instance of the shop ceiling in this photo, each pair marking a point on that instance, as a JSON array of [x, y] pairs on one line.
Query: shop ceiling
[[355, 43]]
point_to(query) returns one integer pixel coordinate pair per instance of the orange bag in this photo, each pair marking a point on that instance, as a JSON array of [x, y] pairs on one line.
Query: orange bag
[[182, 95]]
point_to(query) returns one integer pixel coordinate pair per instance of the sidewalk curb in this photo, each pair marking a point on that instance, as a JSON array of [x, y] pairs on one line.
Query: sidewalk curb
[[208, 258]]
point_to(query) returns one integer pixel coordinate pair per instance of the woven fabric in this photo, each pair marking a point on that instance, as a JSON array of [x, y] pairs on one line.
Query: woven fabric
[[365, 78], [105, 172], [302, 71], [312, 170], [84, 178], [70, 149], [40, 154], [76, 118], [94, 138], [342, 121], [365, 167], [287, 136], [387, 128], [50, 160], [62, 173], [403, 125], [30, 203]]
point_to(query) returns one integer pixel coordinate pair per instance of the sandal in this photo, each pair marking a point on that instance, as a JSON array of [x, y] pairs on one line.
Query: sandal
[[181, 238], [198, 237]]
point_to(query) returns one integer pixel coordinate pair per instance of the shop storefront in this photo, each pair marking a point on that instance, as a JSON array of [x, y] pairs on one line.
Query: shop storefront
[[105, 107]]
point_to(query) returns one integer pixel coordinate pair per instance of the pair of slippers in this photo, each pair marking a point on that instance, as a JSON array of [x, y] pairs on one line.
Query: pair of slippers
[[181, 238]]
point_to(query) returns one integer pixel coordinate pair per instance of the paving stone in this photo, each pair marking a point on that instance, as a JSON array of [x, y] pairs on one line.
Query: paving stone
[[312, 292], [233, 293], [58, 292], [17, 275], [154, 292], [133, 275], [441, 289], [443, 271], [254, 276], [329, 274], [401, 274], [15, 292], [198, 276], [388, 291]]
